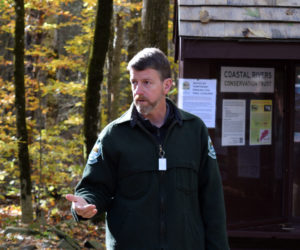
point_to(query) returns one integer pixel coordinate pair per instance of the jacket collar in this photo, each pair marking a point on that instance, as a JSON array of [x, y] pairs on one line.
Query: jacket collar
[[130, 114]]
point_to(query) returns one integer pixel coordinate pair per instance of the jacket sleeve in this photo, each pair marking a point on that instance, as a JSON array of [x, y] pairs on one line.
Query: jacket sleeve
[[97, 185], [211, 199]]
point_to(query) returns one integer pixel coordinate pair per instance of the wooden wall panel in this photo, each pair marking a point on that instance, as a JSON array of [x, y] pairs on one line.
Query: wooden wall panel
[[241, 2]]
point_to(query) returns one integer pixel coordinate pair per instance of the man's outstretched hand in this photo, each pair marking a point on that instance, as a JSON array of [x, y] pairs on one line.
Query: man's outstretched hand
[[81, 207]]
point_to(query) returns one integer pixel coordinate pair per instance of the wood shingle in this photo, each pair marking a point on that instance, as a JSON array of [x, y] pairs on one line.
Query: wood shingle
[[263, 19]]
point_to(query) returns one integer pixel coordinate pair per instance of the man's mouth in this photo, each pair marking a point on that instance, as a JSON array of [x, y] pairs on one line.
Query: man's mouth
[[140, 100]]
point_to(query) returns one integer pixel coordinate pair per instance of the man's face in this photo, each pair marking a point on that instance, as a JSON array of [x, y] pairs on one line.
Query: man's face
[[148, 91]]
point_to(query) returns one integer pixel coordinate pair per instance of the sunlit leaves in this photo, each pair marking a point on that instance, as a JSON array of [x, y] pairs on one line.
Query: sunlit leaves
[[80, 44], [74, 120], [7, 14], [66, 88]]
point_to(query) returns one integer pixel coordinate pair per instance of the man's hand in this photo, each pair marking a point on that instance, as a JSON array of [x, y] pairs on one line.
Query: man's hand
[[81, 207]]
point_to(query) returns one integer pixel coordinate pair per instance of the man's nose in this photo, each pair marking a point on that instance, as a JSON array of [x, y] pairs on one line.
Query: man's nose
[[138, 89]]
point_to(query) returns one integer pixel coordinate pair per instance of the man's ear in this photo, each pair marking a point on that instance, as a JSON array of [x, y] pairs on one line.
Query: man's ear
[[167, 85]]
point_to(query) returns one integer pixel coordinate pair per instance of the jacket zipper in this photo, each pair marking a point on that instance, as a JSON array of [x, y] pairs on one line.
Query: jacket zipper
[[162, 191]]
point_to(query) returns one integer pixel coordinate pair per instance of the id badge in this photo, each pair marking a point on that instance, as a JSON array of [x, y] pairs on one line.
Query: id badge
[[162, 164]]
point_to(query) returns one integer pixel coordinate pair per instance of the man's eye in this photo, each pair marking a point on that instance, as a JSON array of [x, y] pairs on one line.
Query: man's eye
[[133, 82], [146, 82]]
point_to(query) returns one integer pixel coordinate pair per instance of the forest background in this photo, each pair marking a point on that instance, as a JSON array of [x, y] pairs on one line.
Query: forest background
[[60, 49]]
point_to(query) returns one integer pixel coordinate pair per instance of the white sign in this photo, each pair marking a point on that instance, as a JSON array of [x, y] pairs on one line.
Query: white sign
[[198, 96], [250, 80], [233, 122]]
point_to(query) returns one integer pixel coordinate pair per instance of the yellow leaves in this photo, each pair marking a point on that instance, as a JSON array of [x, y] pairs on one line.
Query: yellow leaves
[[7, 19], [44, 59], [7, 27], [3, 174], [45, 6], [11, 210], [39, 55], [49, 26], [132, 21], [6, 62], [79, 104], [61, 140], [66, 88], [87, 3], [54, 211], [74, 120], [136, 6], [7, 99], [61, 63], [79, 45], [44, 204]]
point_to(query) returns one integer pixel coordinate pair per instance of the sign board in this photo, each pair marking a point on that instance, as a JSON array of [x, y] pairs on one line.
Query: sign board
[[247, 80], [198, 96]]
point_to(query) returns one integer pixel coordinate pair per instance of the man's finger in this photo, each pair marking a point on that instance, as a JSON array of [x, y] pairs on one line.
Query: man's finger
[[86, 211], [89, 214], [71, 197], [84, 207], [81, 207]]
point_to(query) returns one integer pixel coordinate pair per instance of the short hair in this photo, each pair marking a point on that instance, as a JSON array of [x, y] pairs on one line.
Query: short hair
[[152, 58]]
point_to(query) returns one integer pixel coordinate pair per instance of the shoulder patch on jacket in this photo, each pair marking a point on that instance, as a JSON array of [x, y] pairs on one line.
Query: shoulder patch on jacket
[[211, 150], [95, 153]]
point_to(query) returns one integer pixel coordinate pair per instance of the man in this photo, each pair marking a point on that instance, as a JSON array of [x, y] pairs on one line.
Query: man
[[154, 171]]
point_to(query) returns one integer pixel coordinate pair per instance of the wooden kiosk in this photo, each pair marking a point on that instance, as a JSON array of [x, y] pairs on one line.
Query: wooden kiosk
[[250, 50]]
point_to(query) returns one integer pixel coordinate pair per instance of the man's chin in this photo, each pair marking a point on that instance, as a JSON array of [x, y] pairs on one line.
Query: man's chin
[[143, 110]]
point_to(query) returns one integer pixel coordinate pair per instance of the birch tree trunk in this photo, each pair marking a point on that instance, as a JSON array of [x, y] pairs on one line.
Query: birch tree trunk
[[95, 72], [23, 154]]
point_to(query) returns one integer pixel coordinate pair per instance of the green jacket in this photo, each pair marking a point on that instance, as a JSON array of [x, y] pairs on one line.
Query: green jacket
[[181, 208]]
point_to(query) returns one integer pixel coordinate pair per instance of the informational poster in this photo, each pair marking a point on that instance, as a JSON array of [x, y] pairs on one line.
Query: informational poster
[[198, 96], [248, 80], [261, 122], [233, 122]]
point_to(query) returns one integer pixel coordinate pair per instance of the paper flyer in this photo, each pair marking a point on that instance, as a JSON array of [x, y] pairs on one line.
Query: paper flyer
[[261, 122], [198, 96], [233, 122]]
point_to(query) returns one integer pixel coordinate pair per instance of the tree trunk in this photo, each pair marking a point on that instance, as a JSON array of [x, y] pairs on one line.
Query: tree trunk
[[23, 154], [114, 71], [95, 72], [155, 16], [134, 40]]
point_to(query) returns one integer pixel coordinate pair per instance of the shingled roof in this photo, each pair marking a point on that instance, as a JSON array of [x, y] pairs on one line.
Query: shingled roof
[[239, 19]]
